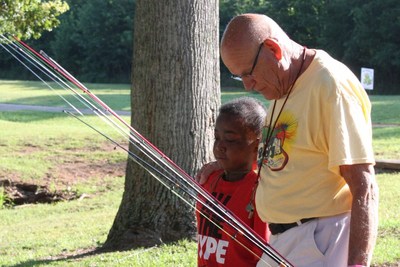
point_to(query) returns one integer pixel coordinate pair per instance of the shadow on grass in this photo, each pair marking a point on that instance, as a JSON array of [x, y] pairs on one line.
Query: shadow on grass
[[60, 258], [98, 251], [80, 254], [142, 242]]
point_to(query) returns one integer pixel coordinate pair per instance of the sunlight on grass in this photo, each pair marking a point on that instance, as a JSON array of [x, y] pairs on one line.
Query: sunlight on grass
[[32, 166], [30, 148], [386, 142], [76, 225], [35, 235], [37, 93], [388, 243], [386, 109], [32, 143], [389, 184], [232, 93], [43, 230]]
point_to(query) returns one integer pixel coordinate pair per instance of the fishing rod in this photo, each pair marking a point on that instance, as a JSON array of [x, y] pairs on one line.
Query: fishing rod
[[55, 66], [154, 173], [175, 179]]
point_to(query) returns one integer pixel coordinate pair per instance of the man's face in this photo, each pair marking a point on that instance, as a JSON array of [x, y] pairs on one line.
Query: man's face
[[257, 67]]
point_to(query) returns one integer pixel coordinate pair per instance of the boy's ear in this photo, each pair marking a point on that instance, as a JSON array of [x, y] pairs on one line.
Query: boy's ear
[[274, 47]]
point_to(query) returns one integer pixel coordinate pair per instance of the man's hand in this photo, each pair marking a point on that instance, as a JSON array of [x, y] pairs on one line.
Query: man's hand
[[205, 171]]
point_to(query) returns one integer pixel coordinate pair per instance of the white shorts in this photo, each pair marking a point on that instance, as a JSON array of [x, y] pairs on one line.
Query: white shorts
[[322, 242]]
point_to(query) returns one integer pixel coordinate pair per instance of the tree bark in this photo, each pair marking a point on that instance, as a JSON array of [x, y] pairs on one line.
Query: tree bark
[[174, 100]]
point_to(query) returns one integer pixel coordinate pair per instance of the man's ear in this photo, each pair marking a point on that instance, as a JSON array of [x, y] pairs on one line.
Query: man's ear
[[258, 144], [274, 47]]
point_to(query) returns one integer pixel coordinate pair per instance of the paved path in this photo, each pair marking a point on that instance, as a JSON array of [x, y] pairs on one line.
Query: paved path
[[16, 107]]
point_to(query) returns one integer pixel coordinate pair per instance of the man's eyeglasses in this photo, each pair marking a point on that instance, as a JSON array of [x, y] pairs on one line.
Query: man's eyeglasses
[[239, 78]]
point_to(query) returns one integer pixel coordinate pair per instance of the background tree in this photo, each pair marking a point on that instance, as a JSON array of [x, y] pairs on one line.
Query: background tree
[[300, 19], [95, 40], [229, 9], [175, 96], [64, 42], [375, 41], [95, 36], [26, 19]]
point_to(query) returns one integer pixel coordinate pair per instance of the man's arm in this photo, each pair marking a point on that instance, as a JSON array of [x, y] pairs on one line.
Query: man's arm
[[364, 213]]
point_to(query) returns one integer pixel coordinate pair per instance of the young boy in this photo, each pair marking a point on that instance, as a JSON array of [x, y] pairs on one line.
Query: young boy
[[238, 132]]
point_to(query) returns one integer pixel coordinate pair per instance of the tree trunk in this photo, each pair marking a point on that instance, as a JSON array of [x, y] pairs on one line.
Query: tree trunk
[[175, 97]]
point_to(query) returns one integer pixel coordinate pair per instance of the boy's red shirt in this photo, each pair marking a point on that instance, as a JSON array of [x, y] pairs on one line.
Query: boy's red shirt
[[215, 246]]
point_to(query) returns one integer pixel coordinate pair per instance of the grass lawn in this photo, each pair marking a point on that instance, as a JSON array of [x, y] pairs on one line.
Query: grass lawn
[[37, 93], [42, 147]]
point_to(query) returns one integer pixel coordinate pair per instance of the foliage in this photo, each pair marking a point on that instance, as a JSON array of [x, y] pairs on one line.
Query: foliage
[[227, 10], [376, 40], [4, 199], [231, 8], [93, 42], [94, 39], [26, 19], [300, 19], [359, 33]]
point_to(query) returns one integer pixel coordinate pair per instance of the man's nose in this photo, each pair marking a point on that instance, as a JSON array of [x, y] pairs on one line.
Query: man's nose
[[249, 84]]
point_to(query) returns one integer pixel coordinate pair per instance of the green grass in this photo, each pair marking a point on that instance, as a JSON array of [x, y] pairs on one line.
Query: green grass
[[386, 142], [388, 244], [73, 227], [233, 92], [37, 93], [385, 109], [32, 143]]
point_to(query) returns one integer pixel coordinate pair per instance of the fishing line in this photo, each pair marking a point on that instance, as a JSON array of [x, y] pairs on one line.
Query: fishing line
[[152, 171], [34, 73], [176, 181], [251, 238]]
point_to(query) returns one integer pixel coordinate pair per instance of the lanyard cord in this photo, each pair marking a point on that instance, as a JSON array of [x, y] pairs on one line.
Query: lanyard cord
[[250, 206]]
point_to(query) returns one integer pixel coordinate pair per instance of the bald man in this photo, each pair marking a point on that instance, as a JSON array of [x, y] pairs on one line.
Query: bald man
[[317, 187]]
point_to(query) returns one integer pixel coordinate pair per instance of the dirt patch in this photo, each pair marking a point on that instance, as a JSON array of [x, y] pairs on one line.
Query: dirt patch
[[73, 172], [25, 193], [56, 185]]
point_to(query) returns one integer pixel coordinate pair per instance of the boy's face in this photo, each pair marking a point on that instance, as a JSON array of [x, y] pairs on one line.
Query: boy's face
[[235, 146]]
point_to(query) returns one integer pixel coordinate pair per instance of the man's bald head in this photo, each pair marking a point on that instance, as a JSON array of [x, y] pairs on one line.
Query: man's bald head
[[248, 31], [255, 48]]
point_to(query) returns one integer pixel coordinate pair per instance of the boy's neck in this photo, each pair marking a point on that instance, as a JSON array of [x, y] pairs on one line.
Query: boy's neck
[[233, 176]]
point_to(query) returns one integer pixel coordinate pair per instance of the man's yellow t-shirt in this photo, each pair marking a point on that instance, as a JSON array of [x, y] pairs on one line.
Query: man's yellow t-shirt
[[324, 124]]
